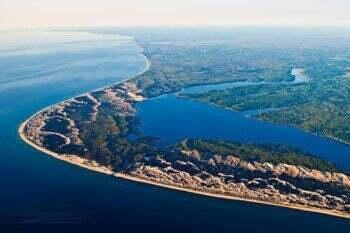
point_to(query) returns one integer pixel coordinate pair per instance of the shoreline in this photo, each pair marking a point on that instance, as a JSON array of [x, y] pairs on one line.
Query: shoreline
[[147, 66], [93, 166], [328, 138]]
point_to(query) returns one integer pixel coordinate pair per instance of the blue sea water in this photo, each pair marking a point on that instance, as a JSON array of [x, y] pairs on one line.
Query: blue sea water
[[191, 119], [41, 194]]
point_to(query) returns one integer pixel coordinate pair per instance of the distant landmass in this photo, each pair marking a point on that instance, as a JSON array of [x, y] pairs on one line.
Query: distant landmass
[[308, 89]]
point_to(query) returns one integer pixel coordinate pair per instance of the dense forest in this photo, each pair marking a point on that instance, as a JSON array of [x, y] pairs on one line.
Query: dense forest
[[271, 153], [320, 107]]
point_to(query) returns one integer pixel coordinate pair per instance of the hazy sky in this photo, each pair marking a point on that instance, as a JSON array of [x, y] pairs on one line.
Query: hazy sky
[[51, 13]]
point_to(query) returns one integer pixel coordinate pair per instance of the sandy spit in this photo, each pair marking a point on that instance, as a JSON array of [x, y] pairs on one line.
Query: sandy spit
[[94, 166]]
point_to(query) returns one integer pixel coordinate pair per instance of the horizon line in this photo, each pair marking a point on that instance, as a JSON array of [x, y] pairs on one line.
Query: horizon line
[[172, 26]]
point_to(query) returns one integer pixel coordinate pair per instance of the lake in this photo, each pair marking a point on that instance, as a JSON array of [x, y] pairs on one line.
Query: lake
[[40, 68], [171, 119]]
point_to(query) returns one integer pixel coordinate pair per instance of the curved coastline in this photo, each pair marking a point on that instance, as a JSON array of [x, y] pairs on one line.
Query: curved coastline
[[94, 166]]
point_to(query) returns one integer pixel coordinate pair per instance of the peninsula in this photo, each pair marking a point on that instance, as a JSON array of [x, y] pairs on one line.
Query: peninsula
[[99, 131]]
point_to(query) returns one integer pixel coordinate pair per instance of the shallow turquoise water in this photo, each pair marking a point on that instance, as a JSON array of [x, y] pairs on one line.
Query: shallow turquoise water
[[39, 193]]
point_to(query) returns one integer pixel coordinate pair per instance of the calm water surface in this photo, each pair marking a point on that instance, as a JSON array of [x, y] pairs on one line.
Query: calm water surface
[[39, 193], [172, 119]]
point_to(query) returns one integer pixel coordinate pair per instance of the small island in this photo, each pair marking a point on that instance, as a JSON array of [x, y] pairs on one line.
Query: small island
[[99, 131]]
